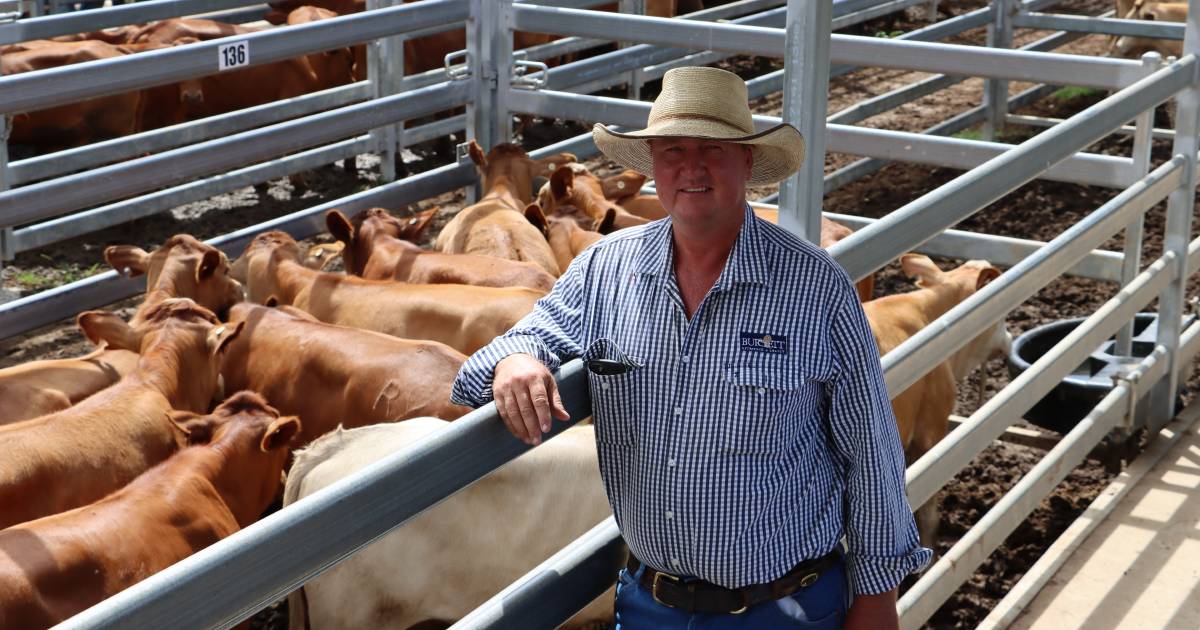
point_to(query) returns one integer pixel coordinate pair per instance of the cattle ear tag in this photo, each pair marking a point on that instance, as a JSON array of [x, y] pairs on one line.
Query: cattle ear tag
[[552, 167], [621, 185], [220, 330]]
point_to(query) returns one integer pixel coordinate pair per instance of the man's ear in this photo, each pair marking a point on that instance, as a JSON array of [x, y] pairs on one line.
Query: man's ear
[[533, 214], [127, 259], [339, 226], [108, 327], [280, 433]]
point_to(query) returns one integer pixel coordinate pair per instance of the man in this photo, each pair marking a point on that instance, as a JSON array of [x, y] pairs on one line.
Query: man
[[742, 421]]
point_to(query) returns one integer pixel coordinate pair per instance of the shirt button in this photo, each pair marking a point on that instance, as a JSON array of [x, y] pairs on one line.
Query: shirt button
[[760, 391], [679, 411], [685, 358], [670, 515], [604, 385], [675, 562], [671, 462]]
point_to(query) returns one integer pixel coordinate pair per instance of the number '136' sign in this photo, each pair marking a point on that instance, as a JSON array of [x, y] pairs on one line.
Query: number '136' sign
[[233, 55]]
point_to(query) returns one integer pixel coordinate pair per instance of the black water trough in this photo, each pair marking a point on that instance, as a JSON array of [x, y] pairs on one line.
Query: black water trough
[[1087, 384]]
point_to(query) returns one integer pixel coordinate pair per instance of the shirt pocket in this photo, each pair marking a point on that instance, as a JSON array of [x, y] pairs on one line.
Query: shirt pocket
[[769, 408], [614, 407]]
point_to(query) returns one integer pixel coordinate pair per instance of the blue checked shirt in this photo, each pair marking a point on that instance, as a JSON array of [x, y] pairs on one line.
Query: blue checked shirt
[[753, 436]]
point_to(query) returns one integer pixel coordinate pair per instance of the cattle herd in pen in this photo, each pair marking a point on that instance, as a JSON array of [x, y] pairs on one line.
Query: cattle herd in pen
[[231, 376]]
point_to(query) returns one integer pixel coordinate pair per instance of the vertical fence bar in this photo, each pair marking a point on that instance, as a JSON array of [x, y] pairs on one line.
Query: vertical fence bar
[[6, 231], [805, 83], [1180, 206], [1142, 144], [634, 88], [995, 91], [381, 73]]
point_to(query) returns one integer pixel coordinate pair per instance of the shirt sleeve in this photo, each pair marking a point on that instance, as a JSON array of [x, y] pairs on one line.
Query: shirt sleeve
[[551, 333], [880, 529]]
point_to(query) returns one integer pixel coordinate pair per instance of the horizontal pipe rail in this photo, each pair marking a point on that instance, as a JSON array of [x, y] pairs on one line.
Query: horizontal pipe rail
[[67, 84], [1014, 65], [108, 151], [939, 464], [117, 15], [1045, 122], [906, 228], [1100, 25], [212, 588], [911, 360], [54, 197]]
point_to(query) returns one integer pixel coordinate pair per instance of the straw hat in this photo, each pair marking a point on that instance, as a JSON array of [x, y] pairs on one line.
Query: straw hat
[[706, 103]]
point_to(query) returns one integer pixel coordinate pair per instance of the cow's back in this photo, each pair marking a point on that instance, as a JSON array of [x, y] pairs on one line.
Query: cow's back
[[462, 551], [490, 228], [38, 388]]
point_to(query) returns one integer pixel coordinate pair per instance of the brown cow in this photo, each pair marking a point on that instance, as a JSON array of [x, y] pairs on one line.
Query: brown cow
[[173, 29], [564, 233], [183, 266], [57, 566], [463, 317], [78, 455], [37, 388], [496, 226], [574, 186], [1134, 47], [335, 375], [923, 410], [377, 252], [114, 35], [624, 189], [75, 123]]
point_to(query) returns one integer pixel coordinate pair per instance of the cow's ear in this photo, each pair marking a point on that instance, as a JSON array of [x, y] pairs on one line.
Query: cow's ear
[[415, 226], [271, 301], [196, 428], [561, 181], [339, 226], [208, 264], [533, 214], [221, 336], [606, 225], [127, 259], [280, 433], [920, 267], [322, 255], [108, 327], [476, 154], [986, 275], [623, 185]]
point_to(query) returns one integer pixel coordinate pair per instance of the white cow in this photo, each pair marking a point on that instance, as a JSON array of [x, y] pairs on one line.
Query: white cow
[[456, 555]]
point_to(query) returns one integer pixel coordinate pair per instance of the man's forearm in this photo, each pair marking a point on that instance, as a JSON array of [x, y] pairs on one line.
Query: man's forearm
[[873, 612]]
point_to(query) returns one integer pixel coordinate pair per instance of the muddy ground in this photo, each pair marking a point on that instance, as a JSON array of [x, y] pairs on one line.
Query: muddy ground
[[1040, 210]]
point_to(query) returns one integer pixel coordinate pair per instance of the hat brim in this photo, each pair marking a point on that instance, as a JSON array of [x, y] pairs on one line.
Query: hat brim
[[778, 151]]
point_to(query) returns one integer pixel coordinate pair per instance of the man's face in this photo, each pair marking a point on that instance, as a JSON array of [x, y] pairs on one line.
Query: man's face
[[701, 180]]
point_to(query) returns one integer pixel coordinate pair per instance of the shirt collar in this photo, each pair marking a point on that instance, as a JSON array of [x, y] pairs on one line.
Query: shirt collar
[[746, 263]]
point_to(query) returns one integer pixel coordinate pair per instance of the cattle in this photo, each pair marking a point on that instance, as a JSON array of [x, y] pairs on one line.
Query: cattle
[[183, 266], [1135, 47], [60, 565], [174, 29], [463, 317], [335, 375], [573, 186], [923, 410], [78, 455], [496, 225], [114, 35], [37, 388], [75, 123], [533, 506], [377, 251], [624, 189], [564, 233]]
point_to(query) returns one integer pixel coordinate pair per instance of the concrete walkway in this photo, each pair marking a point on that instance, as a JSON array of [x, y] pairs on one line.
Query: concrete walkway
[[1140, 568]]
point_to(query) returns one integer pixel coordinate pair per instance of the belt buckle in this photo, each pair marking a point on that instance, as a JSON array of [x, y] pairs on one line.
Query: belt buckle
[[654, 586]]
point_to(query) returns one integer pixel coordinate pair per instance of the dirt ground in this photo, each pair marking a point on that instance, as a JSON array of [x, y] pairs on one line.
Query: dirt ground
[[1040, 210]]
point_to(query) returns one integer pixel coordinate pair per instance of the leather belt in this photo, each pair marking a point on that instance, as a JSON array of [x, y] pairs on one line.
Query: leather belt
[[695, 595]]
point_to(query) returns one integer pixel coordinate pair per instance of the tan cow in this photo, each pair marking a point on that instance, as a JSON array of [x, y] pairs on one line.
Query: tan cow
[[496, 226], [624, 189], [923, 410], [532, 507], [377, 251], [463, 317], [173, 29], [60, 565], [78, 455], [335, 375], [574, 191], [564, 233], [182, 266], [37, 388], [1135, 47]]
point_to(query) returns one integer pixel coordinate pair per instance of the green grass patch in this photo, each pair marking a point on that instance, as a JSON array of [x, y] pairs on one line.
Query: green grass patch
[[50, 278], [1072, 92], [970, 134]]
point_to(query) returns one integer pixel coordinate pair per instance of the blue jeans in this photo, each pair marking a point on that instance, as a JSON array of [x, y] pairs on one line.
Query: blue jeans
[[821, 606]]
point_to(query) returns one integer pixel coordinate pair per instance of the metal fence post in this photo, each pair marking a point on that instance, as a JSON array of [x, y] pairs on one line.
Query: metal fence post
[[995, 91], [489, 52], [634, 88], [6, 232], [1178, 231], [385, 77], [805, 83]]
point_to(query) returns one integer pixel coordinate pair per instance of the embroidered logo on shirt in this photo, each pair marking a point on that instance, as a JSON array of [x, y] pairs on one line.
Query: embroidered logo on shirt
[[762, 342]]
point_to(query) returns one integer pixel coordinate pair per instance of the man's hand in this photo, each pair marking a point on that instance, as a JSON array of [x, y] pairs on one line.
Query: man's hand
[[873, 612], [526, 397]]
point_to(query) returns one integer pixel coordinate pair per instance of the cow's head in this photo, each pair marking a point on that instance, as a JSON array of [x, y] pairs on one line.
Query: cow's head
[[507, 167], [257, 265], [183, 266], [573, 191]]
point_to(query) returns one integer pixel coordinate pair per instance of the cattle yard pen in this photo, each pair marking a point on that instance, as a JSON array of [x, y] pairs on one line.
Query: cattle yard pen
[[241, 574]]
